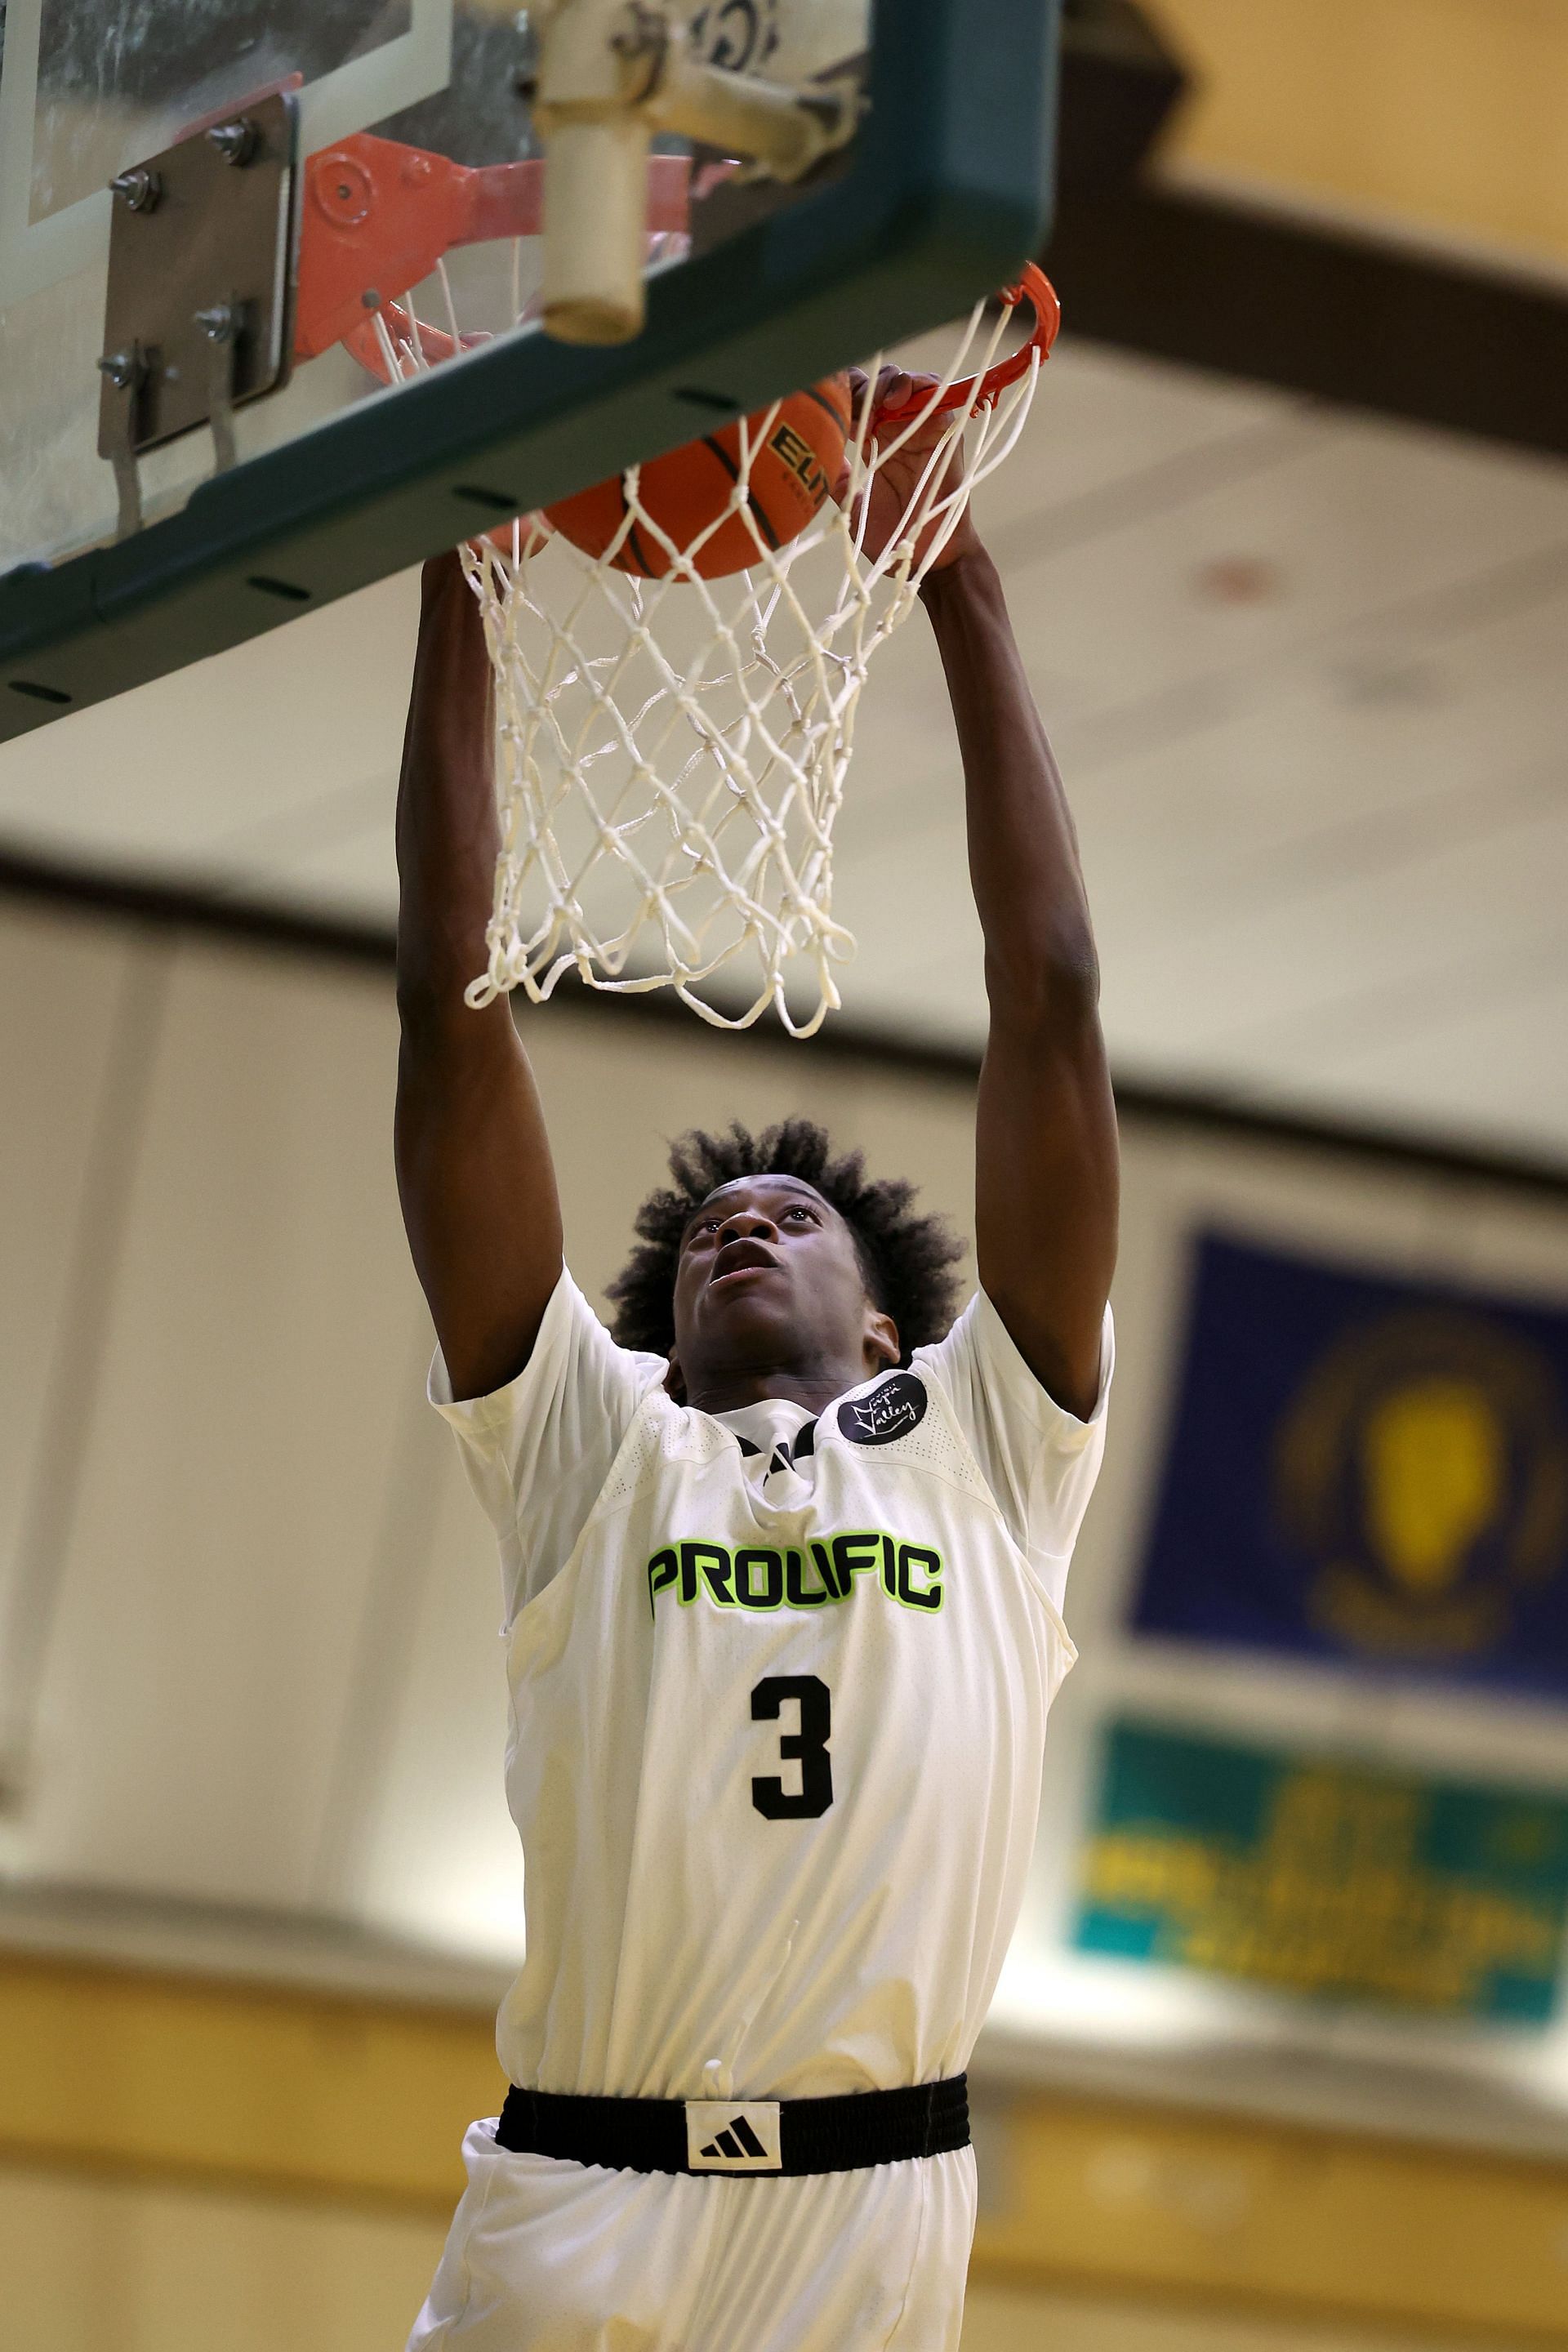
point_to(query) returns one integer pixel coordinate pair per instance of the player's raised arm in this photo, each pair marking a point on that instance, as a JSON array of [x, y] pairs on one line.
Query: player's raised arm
[[1045, 1146], [474, 1171]]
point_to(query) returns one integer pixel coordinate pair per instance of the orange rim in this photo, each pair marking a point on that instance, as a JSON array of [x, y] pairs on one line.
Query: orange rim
[[974, 393]]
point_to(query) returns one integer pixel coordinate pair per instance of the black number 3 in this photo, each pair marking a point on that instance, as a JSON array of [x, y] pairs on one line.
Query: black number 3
[[807, 1748]]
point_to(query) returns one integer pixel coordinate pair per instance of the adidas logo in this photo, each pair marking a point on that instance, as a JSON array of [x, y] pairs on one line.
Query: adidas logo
[[738, 2141], [739, 2136]]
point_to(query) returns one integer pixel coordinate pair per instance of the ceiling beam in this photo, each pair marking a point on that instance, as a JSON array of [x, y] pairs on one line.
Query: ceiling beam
[[1181, 275]]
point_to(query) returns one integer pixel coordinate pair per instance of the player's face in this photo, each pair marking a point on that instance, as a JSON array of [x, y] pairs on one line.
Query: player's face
[[769, 1277]]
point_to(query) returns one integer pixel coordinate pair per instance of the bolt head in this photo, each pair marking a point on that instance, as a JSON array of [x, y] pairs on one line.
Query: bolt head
[[236, 142], [138, 189]]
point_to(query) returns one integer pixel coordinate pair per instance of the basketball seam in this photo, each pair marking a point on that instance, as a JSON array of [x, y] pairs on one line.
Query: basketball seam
[[839, 415], [723, 457], [734, 471]]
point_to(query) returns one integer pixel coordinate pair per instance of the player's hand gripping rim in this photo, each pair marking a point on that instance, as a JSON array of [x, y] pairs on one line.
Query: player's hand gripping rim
[[899, 475]]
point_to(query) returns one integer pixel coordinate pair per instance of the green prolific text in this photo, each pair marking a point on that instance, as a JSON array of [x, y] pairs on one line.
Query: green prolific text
[[818, 1576]]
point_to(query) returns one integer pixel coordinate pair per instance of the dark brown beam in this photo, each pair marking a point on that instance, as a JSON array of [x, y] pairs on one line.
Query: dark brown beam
[[1348, 319]]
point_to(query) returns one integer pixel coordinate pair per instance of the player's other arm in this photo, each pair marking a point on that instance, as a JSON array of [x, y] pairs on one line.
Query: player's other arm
[[474, 1171], [1046, 1143]]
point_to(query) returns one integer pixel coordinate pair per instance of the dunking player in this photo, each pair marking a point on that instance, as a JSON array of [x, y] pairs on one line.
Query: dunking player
[[784, 1562]]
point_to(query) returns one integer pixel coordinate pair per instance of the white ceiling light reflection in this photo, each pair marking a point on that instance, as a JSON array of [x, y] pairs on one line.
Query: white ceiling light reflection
[[466, 1900], [1066, 1997]]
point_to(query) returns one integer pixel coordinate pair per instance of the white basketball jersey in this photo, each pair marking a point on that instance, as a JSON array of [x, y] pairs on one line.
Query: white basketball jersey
[[779, 1694]]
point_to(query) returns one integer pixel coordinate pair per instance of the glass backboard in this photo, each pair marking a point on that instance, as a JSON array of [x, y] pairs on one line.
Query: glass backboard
[[301, 339]]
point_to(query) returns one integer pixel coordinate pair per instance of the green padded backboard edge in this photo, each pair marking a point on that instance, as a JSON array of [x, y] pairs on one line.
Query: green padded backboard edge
[[948, 195]]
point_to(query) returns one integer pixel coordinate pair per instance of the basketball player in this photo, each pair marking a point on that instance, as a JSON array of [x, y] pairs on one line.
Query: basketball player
[[783, 1563]]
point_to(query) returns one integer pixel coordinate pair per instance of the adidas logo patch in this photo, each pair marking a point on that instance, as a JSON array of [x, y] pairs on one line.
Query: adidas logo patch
[[738, 2137], [740, 2140]]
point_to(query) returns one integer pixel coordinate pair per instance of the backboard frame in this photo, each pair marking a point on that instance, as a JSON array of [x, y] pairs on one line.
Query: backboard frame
[[948, 193]]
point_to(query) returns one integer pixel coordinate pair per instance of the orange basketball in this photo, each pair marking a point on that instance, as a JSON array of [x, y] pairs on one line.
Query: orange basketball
[[792, 473]]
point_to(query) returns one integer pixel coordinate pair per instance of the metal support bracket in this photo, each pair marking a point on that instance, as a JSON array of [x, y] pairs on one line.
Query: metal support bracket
[[224, 326], [123, 373], [199, 315]]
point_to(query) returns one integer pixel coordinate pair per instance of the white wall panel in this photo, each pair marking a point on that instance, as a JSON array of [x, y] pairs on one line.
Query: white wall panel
[[256, 1342], [68, 993], [437, 1856]]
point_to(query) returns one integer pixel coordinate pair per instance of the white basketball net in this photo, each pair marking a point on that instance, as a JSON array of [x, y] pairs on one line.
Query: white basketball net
[[672, 753]]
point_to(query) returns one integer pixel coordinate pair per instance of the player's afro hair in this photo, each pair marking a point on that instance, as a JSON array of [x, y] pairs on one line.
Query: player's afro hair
[[907, 1259]]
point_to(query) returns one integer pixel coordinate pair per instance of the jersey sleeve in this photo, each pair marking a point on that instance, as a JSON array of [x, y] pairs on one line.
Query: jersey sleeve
[[1039, 1461], [538, 1451]]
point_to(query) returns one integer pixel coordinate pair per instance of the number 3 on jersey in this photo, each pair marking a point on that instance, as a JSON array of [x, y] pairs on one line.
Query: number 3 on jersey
[[807, 1748]]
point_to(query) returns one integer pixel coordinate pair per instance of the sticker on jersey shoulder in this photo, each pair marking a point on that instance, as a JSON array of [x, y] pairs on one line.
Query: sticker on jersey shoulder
[[893, 1408]]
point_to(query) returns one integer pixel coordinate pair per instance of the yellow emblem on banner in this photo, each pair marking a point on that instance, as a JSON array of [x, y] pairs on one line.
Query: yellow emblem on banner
[[1423, 1465]]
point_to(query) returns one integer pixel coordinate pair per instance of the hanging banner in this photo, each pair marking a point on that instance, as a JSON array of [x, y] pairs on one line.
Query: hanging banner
[[1324, 1877], [1365, 1470]]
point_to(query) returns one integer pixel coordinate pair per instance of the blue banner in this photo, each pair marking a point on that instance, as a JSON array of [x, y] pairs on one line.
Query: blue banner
[[1368, 1471], [1327, 1878]]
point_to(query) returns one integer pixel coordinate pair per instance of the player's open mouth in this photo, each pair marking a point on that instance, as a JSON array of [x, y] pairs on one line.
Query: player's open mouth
[[741, 1257]]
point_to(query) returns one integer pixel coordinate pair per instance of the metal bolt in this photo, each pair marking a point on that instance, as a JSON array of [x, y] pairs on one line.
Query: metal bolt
[[220, 324], [234, 141], [124, 369], [138, 189]]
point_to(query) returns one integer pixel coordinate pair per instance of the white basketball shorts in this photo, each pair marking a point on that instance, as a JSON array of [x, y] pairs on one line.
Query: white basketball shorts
[[550, 2256]]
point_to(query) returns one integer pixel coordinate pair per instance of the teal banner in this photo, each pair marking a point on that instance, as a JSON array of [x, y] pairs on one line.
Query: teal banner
[[1327, 1878]]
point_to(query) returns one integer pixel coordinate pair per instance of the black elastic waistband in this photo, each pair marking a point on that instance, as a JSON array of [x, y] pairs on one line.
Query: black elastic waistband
[[842, 2135]]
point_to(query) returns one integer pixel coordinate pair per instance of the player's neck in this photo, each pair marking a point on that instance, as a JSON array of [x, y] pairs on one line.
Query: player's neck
[[815, 1387]]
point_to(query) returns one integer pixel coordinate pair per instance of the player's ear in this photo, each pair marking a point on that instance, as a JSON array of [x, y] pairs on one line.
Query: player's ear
[[882, 1345], [675, 1379]]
